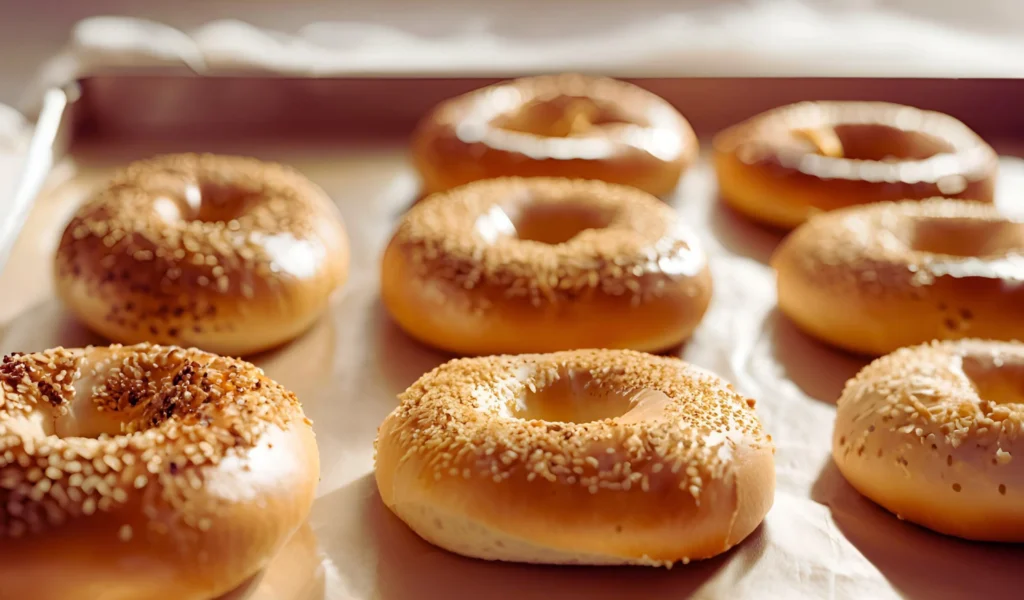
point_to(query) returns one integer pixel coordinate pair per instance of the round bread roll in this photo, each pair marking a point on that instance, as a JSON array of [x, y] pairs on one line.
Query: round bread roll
[[785, 165], [596, 457], [228, 254], [568, 125], [872, 279], [145, 472], [933, 433], [538, 265]]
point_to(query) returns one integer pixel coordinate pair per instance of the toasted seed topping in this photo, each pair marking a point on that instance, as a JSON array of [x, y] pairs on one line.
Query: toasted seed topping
[[168, 240], [560, 117], [801, 137], [463, 237], [458, 416], [173, 406], [871, 249], [923, 396]]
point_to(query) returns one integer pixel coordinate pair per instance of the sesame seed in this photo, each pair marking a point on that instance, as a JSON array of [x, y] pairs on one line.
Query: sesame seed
[[446, 415], [57, 478], [147, 258], [836, 249], [959, 430], [440, 235], [757, 141]]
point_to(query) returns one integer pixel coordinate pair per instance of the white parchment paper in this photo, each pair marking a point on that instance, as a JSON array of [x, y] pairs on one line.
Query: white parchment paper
[[820, 540]]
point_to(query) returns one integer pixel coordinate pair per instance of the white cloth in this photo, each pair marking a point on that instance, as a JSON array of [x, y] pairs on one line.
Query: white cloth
[[914, 38]]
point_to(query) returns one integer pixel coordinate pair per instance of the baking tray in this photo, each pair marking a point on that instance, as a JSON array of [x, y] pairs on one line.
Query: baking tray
[[821, 539]]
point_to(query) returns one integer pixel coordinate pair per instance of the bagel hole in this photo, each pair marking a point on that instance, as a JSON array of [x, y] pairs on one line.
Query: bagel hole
[[560, 116], [863, 141], [967, 238], [557, 222], [84, 419], [576, 397], [998, 379], [125, 403], [210, 202]]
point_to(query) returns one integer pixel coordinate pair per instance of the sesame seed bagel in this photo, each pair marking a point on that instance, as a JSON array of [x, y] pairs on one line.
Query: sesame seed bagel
[[228, 254], [566, 125], [145, 471], [596, 457], [935, 434], [875, 278], [537, 265], [786, 164]]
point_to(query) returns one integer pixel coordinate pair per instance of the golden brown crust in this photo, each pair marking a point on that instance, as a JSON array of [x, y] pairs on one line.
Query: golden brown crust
[[789, 163], [927, 433], [875, 278], [566, 125], [145, 471], [228, 254], [685, 472], [456, 276]]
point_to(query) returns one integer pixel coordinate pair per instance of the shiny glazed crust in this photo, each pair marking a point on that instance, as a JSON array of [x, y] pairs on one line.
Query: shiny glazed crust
[[648, 146], [195, 473], [913, 434], [682, 478], [138, 262], [853, 279], [451, 282], [767, 173]]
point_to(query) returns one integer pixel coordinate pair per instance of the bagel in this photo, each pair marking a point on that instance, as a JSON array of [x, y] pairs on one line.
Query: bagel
[[537, 265], [872, 279], [228, 254], [569, 125], [145, 471], [596, 457], [933, 433], [787, 164]]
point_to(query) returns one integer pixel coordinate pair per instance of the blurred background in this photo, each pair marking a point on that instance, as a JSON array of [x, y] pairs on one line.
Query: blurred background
[[33, 30]]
